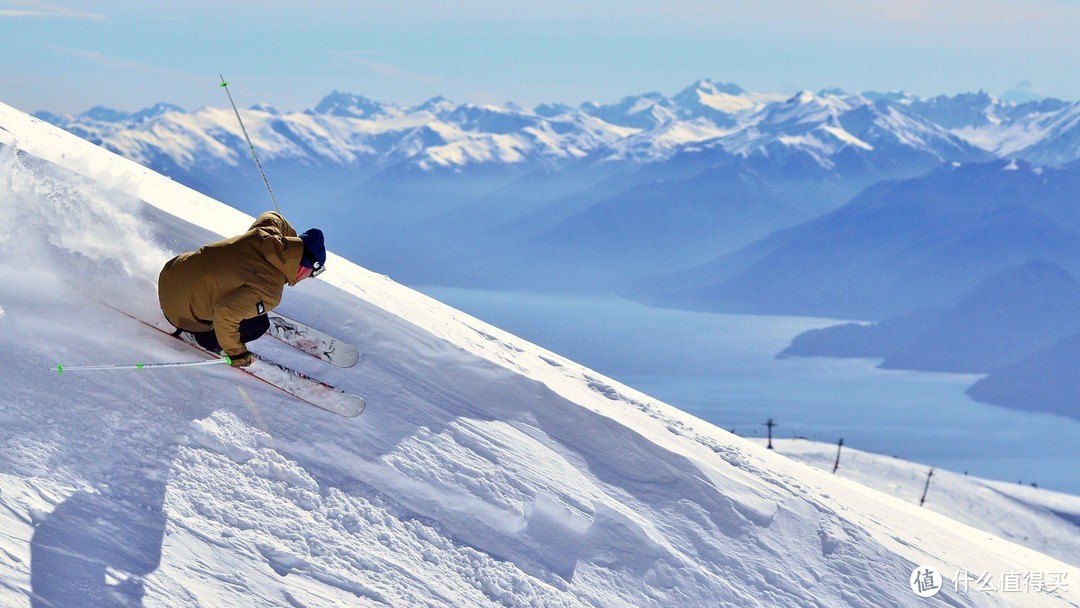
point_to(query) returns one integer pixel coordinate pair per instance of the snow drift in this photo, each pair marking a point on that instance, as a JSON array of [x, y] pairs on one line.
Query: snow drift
[[486, 471]]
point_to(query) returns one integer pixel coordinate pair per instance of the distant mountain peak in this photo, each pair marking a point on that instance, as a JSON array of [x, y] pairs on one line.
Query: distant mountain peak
[[897, 97], [717, 101], [105, 114], [551, 110], [265, 107], [713, 88], [1023, 92], [350, 105], [643, 111], [157, 109], [436, 105]]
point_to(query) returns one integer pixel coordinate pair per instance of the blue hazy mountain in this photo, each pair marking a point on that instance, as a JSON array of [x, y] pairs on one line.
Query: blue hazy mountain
[[897, 247], [1046, 381], [1006, 318]]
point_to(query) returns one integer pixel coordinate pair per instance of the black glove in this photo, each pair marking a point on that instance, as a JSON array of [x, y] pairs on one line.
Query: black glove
[[244, 359]]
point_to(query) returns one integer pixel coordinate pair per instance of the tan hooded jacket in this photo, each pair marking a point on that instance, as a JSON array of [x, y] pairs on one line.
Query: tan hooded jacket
[[228, 281]]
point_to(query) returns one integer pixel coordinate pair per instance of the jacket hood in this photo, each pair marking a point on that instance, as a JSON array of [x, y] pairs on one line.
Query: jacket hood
[[289, 262]]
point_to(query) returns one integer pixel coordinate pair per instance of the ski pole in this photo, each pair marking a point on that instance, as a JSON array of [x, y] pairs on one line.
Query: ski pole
[[60, 369], [251, 146]]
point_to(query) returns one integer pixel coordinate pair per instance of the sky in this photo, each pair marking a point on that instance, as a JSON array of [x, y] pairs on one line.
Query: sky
[[66, 57]]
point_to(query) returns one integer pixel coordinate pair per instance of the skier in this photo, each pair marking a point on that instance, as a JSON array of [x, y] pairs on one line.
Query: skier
[[221, 294]]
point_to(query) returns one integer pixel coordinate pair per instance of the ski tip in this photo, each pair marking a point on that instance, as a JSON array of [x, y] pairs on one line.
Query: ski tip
[[355, 409], [348, 357]]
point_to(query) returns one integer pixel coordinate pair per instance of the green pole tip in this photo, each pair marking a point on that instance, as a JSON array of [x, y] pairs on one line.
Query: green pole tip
[[59, 369]]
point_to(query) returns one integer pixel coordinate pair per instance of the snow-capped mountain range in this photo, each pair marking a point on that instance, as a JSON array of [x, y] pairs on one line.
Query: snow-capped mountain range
[[479, 195], [350, 129]]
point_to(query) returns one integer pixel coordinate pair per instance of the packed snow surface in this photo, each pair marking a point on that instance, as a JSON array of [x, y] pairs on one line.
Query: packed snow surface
[[1021, 513], [485, 472]]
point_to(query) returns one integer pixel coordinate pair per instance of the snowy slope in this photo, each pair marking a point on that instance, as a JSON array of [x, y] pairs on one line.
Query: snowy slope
[[1023, 514], [486, 470]]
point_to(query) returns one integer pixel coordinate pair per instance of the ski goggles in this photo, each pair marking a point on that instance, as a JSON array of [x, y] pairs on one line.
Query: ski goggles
[[307, 272]]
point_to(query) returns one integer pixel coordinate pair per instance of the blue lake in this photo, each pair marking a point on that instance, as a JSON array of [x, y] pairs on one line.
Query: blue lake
[[724, 369]]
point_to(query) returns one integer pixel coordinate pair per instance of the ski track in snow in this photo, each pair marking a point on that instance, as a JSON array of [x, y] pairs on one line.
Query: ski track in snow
[[486, 471]]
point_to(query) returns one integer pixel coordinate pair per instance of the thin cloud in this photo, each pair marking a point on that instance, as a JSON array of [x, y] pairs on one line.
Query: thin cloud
[[102, 60], [385, 69], [127, 65], [43, 10]]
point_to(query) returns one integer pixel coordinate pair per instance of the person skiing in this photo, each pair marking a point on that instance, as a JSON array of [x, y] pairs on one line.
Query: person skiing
[[221, 294]]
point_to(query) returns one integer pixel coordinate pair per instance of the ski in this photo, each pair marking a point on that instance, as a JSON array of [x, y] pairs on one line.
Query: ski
[[312, 341], [305, 388], [299, 385]]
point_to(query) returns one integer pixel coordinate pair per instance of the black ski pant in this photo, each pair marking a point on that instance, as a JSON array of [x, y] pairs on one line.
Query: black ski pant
[[250, 329]]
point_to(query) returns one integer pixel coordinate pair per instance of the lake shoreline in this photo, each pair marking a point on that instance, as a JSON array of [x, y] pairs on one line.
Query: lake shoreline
[[724, 369]]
